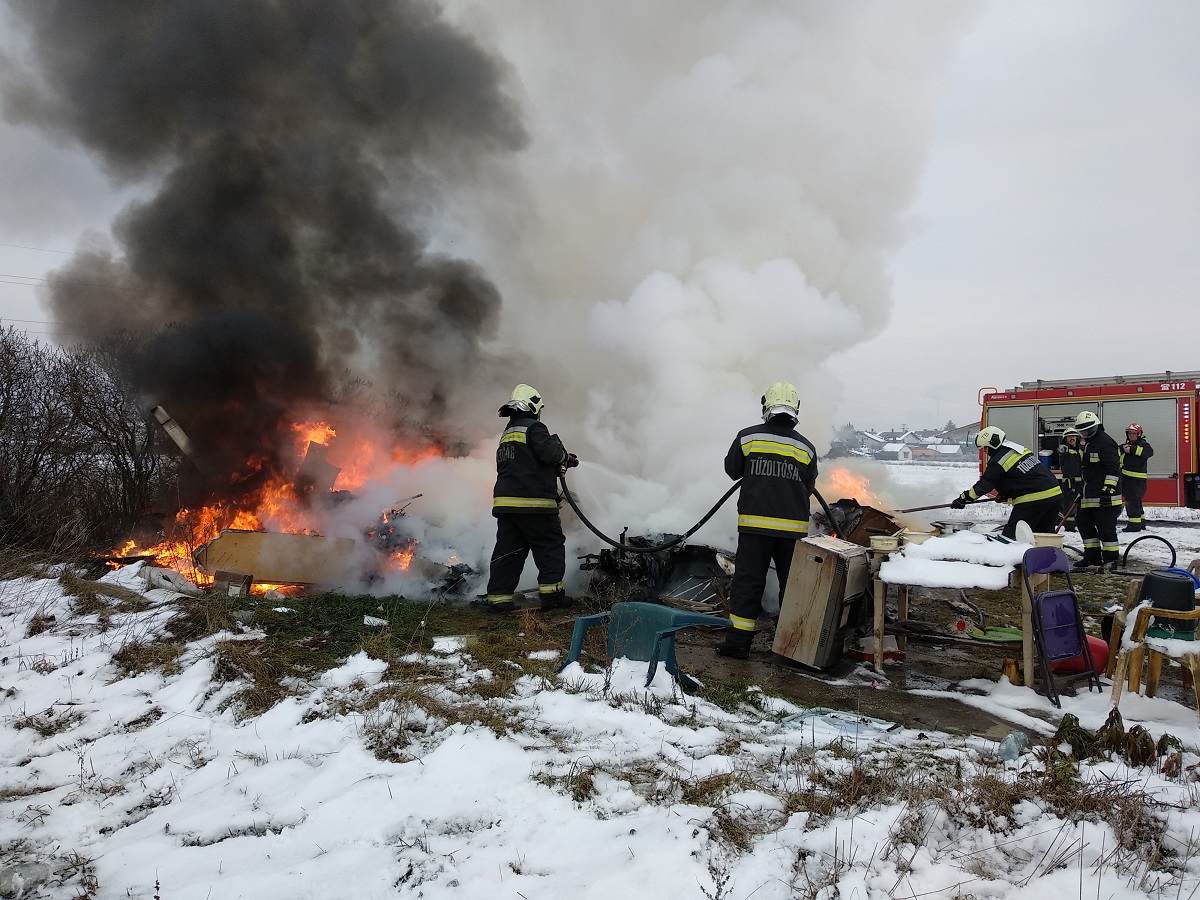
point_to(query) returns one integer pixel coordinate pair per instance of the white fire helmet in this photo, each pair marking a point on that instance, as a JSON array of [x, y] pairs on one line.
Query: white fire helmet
[[991, 437], [781, 399], [1087, 422], [524, 399]]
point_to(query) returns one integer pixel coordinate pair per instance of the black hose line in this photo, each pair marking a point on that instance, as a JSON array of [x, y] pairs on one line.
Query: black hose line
[[562, 479], [1144, 537]]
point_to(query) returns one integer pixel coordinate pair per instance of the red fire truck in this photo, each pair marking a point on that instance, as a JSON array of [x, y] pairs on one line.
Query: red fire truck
[[1035, 414]]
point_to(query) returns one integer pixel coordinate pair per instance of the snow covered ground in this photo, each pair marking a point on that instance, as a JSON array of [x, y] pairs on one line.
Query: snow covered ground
[[582, 785]]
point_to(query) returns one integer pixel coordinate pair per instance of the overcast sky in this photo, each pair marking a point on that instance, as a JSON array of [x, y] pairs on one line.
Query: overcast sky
[[1059, 213], [1055, 231]]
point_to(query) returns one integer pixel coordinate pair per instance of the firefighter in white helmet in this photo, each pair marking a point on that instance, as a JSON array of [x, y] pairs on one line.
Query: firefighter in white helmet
[[1100, 502], [778, 468], [1135, 461], [525, 504], [1070, 464], [1015, 473]]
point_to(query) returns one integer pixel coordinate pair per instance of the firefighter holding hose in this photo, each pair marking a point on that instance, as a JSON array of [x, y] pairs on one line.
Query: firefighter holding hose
[[525, 504], [778, 468]]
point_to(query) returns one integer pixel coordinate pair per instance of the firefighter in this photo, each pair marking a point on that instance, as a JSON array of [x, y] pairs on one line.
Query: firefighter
[[525, 504], [1070, 464], [1135, 458], [778, 468], [1016, 474], [1100, 503]]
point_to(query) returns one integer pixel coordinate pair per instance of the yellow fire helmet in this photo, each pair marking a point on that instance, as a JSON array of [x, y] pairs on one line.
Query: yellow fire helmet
[[991, 437], [525, 399], [781, 399]]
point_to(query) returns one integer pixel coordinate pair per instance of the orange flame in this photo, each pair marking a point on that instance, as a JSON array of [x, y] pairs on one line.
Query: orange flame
[[278, 506], [846, 485]]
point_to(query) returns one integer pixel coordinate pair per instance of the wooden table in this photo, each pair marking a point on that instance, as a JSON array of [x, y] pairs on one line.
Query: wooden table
[[1038, 582], [877, 560]]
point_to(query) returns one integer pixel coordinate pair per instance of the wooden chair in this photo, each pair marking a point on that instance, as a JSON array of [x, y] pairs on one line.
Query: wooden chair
[[1139, 649], [1120, 618]]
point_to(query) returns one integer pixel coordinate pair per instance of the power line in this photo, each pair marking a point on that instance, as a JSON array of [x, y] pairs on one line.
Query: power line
[[41, 249]]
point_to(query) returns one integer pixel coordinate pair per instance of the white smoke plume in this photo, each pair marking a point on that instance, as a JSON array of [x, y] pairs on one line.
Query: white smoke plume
[[718, 188]]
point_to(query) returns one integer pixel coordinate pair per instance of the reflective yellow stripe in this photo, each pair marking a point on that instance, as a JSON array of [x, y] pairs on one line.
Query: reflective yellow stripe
[[741, 624], [517, 437], [1094, 502], [1012, 459], [499, 598], [795, 526], [1129, 474], [550, 588], [773, 448], [524, 503], [1055, 491]]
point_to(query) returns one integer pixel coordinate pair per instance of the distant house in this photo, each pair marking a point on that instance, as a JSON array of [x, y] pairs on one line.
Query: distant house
[[963, 434], [949, 451], [899, 452], [871, 441]]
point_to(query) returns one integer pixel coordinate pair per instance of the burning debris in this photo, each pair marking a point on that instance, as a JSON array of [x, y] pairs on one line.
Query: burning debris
[[232, 550], [693, 577]]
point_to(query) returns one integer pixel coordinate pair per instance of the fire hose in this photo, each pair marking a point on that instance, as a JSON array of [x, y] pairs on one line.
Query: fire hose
[[562, 478]]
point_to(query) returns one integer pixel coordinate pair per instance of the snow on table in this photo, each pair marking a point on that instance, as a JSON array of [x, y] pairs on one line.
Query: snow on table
[[960, 560]]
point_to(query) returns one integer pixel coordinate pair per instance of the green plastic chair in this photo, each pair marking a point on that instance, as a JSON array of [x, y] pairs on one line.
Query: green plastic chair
[[643, 631]]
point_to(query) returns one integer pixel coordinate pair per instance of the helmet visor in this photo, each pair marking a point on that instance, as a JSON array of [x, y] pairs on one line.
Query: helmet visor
[[779, 409]]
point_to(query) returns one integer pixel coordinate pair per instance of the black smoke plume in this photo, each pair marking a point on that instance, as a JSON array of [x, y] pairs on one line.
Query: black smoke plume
[[292, 151]]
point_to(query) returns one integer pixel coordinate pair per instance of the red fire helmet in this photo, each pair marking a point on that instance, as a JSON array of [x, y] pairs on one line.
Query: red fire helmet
[[1135, 428]]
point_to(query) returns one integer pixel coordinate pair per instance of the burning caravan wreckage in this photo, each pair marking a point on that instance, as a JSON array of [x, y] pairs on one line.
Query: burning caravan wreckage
[[237, 558]]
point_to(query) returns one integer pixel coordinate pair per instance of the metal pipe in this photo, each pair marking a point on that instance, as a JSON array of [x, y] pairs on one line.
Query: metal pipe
[[178, 435]]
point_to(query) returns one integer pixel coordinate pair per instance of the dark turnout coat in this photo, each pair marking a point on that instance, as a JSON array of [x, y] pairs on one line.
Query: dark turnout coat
[[1016, 474], [778, 468], [527, 464]]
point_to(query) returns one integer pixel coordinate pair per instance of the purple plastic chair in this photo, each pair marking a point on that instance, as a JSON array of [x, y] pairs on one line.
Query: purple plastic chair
[[1058, 631]]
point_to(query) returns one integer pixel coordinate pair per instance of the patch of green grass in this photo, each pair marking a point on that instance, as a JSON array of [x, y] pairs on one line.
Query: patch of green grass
[[733, 694], [47, 724], [143, 656]]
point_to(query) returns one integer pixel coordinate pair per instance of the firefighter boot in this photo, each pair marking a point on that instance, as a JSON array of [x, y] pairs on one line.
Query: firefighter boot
[[556, 600], [736, 644], [1090, 562]]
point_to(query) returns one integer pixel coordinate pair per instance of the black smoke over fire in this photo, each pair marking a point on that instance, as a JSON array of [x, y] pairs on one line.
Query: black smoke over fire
[[289, 156]]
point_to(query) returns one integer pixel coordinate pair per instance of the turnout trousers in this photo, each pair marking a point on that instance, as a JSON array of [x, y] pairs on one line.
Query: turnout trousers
[[1042, 515], [1134, 489], [516, 536], [1098, 528], [755, 553]]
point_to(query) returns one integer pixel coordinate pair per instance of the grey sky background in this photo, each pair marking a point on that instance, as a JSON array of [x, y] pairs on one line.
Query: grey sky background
[[1055, 231], [1058, 218]]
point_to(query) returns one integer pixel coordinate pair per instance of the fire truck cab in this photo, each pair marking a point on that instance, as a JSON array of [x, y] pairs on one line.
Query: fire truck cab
[[1035, 414]]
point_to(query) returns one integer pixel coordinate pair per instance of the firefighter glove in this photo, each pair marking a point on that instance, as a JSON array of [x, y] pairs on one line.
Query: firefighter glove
[[572, 461], [1108, 490], [959, 502]]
